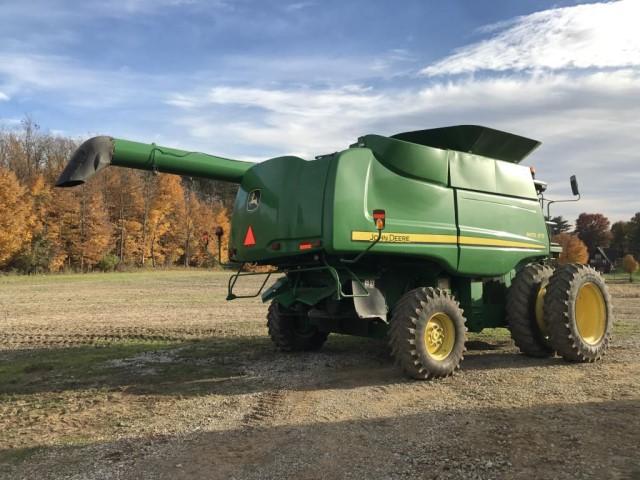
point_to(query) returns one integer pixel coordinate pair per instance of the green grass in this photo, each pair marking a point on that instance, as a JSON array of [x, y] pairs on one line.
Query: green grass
[[59, 368], [123, 365], [111, 277], [16, 456]]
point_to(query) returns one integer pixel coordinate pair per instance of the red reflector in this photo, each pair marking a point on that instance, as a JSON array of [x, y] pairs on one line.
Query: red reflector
[[275, 246], [309, 245], [249, 239]]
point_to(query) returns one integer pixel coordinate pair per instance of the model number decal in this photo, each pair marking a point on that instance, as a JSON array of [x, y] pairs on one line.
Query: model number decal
[[535, 235], [392, 237]]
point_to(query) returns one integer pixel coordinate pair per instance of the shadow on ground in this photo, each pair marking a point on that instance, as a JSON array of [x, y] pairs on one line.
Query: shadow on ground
[[224, 365], [561, 441]]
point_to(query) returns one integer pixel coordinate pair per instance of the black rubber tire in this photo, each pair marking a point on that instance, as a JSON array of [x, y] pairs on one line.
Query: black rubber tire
[[521, 310], [281, 323], [407, 332], [560, 313]]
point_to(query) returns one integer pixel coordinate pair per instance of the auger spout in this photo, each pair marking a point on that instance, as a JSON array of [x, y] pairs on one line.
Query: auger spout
[[100, 152]]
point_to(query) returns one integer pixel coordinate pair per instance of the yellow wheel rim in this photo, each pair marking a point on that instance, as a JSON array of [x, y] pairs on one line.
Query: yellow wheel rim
[[591, 313], [539, 309], [439, 336]]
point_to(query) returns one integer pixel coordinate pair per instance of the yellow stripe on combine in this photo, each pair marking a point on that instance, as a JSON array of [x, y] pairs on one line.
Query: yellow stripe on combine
[[495, 242], [426, 238]]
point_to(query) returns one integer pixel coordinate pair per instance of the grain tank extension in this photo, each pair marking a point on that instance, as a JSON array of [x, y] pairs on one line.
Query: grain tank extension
[[415, 238]]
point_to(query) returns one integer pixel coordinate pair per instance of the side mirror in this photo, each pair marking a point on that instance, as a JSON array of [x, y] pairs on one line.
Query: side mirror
[[574, 185]]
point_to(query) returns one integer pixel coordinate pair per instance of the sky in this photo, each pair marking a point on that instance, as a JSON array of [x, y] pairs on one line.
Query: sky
[[257, 79]]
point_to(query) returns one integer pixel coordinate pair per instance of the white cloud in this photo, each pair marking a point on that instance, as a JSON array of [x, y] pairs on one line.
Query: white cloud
[[586, 121], [600, 35], [292, 7], [9, 122], [3, 97], [596, 99], [320, 69], [74, 84], [301, 102]]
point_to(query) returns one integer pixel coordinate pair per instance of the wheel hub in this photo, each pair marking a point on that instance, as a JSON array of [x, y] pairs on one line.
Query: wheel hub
[[439, 336], [436, 335]]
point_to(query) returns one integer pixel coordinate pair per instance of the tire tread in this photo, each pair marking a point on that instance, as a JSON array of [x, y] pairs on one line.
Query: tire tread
[[520, 318], [402, 333], [558, 308]]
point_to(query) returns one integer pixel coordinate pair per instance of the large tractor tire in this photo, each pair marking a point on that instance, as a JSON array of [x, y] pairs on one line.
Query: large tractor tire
[[525, 310], [290, 331], [577, 310], [427, 333]]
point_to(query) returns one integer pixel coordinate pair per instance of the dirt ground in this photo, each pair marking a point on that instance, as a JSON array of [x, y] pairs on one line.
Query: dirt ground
[[154, 375]]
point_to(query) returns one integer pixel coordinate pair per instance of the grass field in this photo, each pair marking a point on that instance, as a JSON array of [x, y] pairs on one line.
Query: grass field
[[154, 375]]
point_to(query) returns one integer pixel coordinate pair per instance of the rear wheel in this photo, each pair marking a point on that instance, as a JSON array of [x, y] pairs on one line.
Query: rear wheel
[[525, 310], [289, 329], [578, 313], [427, 333]]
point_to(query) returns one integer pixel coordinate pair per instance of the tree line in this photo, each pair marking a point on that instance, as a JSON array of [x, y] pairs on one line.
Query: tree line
[[121, 217], [127, 217], [593, 230]]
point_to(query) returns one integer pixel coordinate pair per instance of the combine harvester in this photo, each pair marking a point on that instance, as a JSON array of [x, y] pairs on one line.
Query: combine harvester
[[416, 238]]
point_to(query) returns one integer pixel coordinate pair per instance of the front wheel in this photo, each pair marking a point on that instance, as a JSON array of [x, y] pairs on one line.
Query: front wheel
[[577, 309], [290, 331], [427, 333]]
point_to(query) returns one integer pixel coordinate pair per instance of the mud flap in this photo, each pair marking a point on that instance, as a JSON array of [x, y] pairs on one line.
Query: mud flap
[[373, 305]]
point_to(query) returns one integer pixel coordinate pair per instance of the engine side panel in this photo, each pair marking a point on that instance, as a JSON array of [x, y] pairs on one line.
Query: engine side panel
[[420, 215]]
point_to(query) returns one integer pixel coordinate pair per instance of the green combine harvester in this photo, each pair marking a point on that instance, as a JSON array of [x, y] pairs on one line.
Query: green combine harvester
[[416, 238]]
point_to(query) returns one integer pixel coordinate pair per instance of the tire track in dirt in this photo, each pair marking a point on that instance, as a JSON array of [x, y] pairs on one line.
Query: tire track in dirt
[[47, 337], [267, 407]]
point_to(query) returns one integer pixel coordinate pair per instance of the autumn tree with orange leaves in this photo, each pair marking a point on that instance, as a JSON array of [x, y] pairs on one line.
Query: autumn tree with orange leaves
[[629, 265], [16, 216], [573, 249], [124, 190], [34, 256], [166, 213], [122, 215]]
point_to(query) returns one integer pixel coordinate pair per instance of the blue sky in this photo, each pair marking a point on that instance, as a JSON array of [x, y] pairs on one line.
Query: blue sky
[[256, 79]]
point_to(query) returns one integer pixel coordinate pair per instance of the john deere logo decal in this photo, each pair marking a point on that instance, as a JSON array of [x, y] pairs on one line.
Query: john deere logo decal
[[253, 200]]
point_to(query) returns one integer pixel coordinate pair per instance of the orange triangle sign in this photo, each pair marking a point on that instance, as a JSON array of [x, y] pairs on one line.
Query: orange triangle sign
[[249, 239]]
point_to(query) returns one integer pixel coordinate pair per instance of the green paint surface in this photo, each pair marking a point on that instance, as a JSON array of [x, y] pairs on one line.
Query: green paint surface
[[170, 160]]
